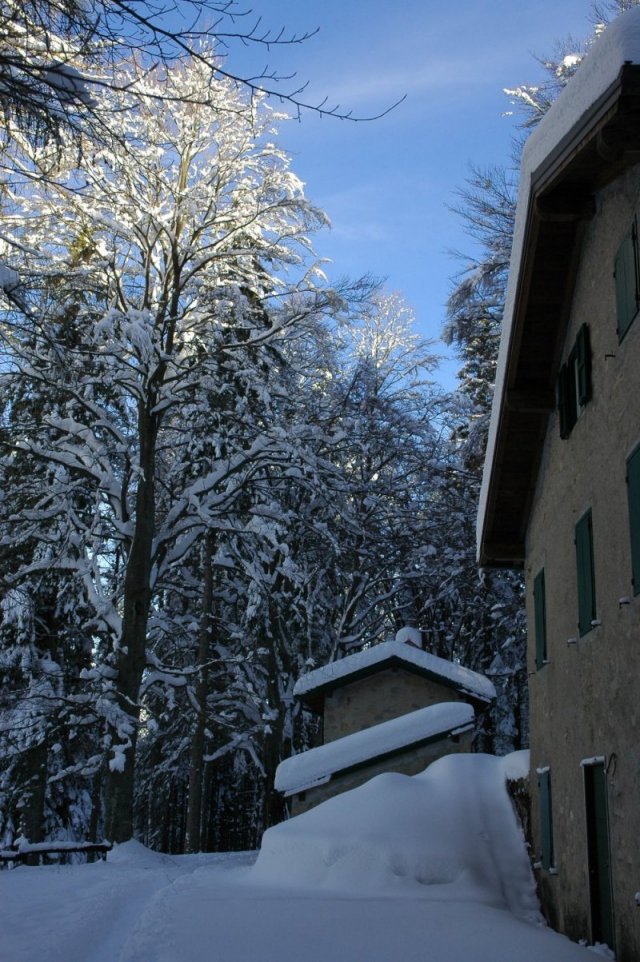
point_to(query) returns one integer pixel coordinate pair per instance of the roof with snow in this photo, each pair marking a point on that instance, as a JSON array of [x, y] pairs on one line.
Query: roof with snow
[[393, 654], [318, 765], [589, 137]]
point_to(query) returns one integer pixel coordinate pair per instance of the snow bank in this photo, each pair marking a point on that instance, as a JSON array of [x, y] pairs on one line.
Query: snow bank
[[423, 869], [450, 832], [464, 679], [316, 766], [137, 854], [516, 765]]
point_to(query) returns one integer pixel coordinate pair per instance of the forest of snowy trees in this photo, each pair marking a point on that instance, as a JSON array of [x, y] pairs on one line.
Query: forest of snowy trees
[[217, 469]]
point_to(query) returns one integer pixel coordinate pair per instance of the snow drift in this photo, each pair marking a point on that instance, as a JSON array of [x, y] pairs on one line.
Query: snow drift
[[412, 868], [451, 826]]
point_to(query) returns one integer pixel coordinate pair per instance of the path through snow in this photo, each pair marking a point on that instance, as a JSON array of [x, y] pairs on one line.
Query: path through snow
[[425, 869]]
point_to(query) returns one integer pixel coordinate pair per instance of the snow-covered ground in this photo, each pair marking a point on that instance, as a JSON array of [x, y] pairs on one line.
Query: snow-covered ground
[[424, 869]]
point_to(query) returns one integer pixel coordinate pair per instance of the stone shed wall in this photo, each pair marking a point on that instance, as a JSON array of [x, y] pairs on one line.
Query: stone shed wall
[[410, 762], [378, 698]]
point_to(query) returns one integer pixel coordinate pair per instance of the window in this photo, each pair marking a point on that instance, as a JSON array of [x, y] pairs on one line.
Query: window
[[633, 492], [626, 275], [546, 818], [586, 580], [540, 619], [574, 382]]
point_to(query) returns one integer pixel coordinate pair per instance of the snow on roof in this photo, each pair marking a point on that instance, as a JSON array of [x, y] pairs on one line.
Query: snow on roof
[[463, 679], [617, 45], [316, 766]]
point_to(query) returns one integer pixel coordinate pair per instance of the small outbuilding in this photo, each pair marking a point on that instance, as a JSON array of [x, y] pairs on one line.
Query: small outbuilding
[[391, 707]]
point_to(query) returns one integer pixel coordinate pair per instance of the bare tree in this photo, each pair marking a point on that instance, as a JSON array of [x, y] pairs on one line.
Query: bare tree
[[54, 54]]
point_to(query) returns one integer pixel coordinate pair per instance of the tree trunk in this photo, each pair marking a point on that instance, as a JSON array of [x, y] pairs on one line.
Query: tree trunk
[[208, 832], [193, 839], [32, 818], [274, 748], [131, 655]]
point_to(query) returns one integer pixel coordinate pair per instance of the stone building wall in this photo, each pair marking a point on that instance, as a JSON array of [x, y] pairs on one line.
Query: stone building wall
[[586, 701], [378, 698], [410, 762]]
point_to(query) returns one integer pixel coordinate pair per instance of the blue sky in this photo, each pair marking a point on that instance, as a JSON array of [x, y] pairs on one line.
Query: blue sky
[[386, 185]]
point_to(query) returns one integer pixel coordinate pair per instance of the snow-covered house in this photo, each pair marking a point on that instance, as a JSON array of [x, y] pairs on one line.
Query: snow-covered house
[[391, 707], [561, 489]]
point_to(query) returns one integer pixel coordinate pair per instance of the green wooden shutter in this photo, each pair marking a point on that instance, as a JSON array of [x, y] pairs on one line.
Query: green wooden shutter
[[602, 921], [586, 581], [574, 382], [546, 819], [583, 365], [626, 275], [633, 492], [564, 401], [539, 604]]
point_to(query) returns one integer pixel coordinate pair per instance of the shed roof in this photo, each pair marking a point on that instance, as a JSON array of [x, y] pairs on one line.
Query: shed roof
[[590, 136], [318, 765], [390, 654]]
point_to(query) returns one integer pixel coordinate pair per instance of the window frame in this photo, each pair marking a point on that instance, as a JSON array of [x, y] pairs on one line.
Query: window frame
[[632, 478], [626, 273], [540, 619], [575, 386], [585, 573]]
